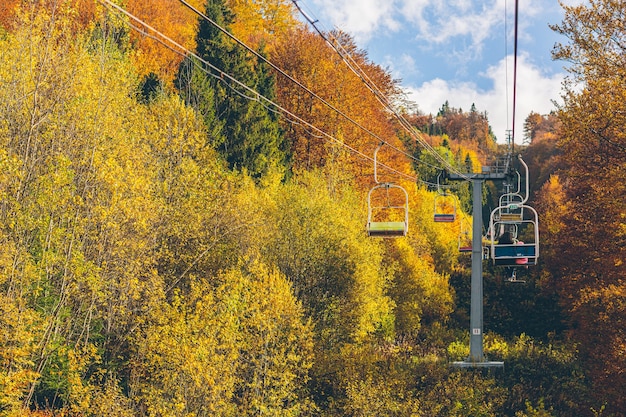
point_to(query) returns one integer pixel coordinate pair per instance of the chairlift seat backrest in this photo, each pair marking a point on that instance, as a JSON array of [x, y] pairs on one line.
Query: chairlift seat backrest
[[514, 251]]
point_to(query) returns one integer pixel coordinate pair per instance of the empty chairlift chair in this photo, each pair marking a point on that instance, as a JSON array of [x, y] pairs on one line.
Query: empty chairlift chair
[[387, 211], [512, 204], [465, 236], [387, 207], [445, 208], [511, 208], [445, 205]]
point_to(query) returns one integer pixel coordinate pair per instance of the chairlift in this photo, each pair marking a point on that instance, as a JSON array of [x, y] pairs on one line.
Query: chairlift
[[387, 207], [517, 196], [465, 237], [445, 205], [391, 218], [512, 203], [445, 208], [511, 212], [514, 252]]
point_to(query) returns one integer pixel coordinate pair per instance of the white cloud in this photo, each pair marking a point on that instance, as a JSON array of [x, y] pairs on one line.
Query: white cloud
[[432, 22], [440, 22], [535, 92], [360, 18], [414, 12], [573, 2], [399, 67], [456, 35]]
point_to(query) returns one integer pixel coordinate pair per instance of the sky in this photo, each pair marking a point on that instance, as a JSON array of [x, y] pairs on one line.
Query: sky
[[460, 51]]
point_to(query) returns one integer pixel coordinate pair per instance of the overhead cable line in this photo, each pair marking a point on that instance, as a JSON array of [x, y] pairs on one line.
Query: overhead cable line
[[298, 83], [514, 75], [506, 66], [221, 75], [354, 67]]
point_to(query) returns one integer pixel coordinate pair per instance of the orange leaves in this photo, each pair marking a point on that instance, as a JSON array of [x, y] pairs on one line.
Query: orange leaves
[[603, 332], [258, 22], [84, 11], [308, 59], [174, 20], [588, 250], [7, 12], [596, 34]]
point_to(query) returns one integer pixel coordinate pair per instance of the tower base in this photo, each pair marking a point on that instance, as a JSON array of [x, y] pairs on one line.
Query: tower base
[[483, 364]]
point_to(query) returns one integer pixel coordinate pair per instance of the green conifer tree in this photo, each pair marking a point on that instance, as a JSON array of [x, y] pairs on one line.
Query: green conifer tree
[[240, 125]]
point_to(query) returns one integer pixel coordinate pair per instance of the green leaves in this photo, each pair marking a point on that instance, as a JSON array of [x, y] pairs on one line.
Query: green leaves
[[240, 125]]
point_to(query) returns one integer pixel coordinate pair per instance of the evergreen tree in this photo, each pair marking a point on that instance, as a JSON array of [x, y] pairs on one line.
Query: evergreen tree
[[240, 125]]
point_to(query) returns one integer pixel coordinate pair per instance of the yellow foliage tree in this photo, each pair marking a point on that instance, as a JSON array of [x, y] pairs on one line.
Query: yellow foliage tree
[[78, 207], [262, 22], [420, 294], [242, 348]]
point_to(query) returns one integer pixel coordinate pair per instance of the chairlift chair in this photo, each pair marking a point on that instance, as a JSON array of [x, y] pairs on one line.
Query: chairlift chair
[[512, 203], [465, 237], [515, 253], [445, 208], [390, 219], [445, 205], [512, 208]]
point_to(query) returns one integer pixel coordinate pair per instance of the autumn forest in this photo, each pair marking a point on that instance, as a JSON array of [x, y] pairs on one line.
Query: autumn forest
[[183, 209]]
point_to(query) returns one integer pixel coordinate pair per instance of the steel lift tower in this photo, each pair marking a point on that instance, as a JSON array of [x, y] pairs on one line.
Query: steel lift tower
[[476, 357]]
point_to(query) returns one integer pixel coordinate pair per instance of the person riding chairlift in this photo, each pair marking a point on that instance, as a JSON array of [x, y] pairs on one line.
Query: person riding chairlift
[[506, 239]]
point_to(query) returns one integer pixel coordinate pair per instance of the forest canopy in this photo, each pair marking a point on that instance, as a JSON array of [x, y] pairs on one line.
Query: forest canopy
[[183, 229]]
